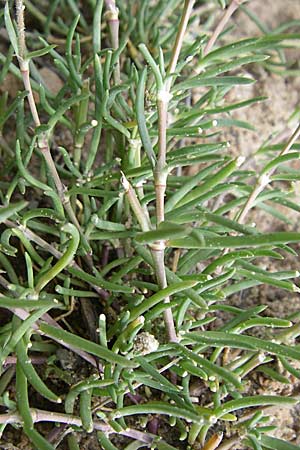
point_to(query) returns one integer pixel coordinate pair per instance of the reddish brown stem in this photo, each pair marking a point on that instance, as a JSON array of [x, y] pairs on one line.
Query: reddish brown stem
[[112, 16]]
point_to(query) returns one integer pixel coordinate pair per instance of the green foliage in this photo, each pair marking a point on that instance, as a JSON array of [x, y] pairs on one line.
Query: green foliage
[[90, 230]]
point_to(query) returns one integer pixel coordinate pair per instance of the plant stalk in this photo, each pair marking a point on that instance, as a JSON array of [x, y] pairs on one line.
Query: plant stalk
[[187, 10], [39, 415], [12, 360], [264, 180], [139, 212], [221, 25], [161, 170], [43, 144], [112, 16]]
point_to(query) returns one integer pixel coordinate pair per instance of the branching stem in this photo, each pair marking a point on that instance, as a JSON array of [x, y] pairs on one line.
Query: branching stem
[[260, 185], [39, 415]]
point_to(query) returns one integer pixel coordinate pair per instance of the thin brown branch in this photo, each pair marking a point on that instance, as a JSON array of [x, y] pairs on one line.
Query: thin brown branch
[[39, 415], [12, 360], [221, 25], [260, 185], [112, 16], [24, 69], [22, 314], [23, 62], [264, 180], [187, 10], [43, 143], [139, 212], [20, 7]]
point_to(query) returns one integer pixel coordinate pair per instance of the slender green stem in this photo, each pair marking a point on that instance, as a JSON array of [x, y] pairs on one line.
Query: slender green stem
[[85, 410], [63, 336], [22, 397], [97, 26], [31, 374], [81, 120]]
